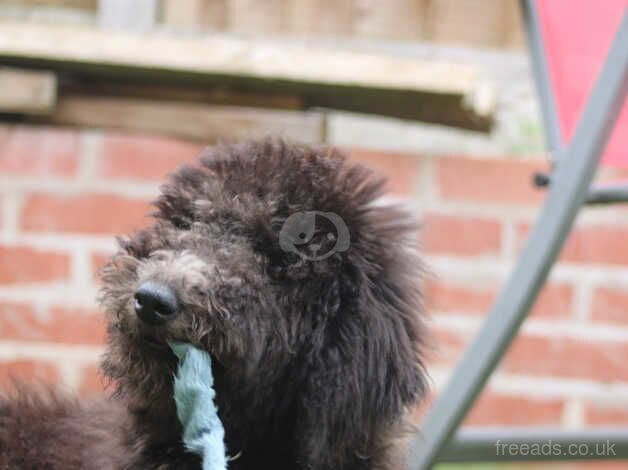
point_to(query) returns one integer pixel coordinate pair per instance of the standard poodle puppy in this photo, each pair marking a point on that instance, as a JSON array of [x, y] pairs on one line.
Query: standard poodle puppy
[[282, 263]]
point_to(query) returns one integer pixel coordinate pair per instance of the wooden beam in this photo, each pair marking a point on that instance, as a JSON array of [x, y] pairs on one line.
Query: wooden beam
[[408, 88], [109, 88], [204, 123], [27, 91]]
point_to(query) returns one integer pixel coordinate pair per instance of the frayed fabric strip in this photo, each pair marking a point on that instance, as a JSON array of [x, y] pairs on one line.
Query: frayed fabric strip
[[203, 433]]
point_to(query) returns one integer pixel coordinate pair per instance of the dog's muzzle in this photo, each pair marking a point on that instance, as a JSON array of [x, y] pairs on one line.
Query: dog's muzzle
[[155, 303]]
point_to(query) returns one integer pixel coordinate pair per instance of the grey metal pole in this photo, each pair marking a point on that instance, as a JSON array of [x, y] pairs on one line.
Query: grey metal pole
[[571, 183], [535, 444], [540, 70], [608, 194]]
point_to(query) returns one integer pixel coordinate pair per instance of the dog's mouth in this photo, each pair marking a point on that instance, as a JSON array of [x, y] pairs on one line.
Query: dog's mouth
[[153, 342]]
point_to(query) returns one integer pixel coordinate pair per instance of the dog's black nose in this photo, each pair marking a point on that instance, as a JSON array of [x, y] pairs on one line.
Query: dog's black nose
[[155, 303]]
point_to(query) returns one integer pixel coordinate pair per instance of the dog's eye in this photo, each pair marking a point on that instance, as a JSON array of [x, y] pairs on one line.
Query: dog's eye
[[276, 272], [181, 224]]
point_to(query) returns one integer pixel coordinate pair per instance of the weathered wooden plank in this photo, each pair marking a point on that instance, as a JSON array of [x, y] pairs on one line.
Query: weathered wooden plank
[[204, 123], [27, 91], [226, 56], [408, 88], [136, 15], [188, 93]]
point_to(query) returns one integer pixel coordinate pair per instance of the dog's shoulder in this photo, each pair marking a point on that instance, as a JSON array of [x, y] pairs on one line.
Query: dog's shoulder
[[45, 428]]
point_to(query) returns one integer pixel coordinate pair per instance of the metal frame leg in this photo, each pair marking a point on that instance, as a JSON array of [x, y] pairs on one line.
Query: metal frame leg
[[608, 194], [540, 70], [569, 189], [599, 194]]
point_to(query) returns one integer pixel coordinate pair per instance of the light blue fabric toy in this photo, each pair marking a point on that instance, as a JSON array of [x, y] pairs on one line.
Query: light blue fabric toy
[[194, 394]]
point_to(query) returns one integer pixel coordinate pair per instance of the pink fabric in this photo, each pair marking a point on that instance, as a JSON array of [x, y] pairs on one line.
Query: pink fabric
[[577, 36]]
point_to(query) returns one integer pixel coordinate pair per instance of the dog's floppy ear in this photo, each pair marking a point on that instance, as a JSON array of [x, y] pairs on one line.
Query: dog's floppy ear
[[365, 366]]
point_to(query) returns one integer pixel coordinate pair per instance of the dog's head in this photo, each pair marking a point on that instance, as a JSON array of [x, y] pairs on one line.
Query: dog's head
[[278, 261]]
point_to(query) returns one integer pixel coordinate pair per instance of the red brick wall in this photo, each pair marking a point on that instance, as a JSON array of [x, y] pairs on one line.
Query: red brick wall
[[65, 193]]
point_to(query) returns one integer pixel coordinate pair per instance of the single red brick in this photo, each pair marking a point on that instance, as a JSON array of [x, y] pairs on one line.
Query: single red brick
[[606, 245], [610, 305], [489, 180], [460, 236], [21, 322], [606, 414], [77, 326], [38, 151], [401, 170], [93, 382], [92, 213], [24, 264], [144, 157], [553, 301], [568, 357], [447, 298], [27, 371], [493, 409]]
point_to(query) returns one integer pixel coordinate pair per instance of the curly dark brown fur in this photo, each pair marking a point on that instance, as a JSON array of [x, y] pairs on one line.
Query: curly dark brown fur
[[315, 361]]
